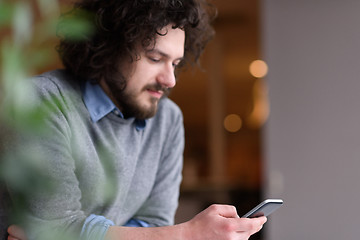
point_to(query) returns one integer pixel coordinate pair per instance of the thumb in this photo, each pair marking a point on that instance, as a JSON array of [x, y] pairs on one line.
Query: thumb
[[226, 211]]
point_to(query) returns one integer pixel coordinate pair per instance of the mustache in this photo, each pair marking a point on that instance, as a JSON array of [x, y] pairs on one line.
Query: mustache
[[158, 87]]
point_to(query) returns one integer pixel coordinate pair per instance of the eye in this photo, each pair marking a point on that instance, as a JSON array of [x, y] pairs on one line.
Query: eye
[[154, 59]]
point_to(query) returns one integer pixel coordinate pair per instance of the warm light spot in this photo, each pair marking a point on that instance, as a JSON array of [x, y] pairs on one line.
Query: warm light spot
[[261, 109], [232, 123], [258, 68]]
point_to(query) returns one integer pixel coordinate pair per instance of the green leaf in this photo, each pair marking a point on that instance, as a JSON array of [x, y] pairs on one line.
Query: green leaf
[[76, 26], [6, 13], [22, 23]]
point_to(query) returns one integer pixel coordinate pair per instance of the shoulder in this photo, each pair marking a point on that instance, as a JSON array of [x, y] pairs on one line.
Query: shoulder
[[56, 90], [55, 81]]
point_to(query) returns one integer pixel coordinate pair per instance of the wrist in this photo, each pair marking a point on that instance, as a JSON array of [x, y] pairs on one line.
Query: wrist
[[185, 231], [175, 232]]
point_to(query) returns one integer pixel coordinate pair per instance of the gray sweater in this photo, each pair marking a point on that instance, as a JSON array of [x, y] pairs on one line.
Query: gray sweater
[[106, 168]]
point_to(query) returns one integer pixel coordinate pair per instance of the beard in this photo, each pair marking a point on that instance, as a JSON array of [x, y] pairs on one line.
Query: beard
[[130, 105]]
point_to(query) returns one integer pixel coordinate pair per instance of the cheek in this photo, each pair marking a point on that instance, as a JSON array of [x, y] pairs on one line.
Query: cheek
[[143, 75], [135, 84], [146, 71]]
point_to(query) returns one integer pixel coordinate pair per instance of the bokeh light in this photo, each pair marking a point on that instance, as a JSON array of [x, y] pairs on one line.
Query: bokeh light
[[258, 68], [232, 123]]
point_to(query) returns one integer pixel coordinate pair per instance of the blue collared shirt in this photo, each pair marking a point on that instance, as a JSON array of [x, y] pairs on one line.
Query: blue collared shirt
[[99, 104], [95, 226]]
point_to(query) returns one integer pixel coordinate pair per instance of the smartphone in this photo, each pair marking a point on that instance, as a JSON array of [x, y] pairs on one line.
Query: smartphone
[[265, 208]]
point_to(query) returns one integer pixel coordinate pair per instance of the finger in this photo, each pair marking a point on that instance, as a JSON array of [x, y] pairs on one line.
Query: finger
[[263, 220], [260, 223], [16, 232], [12, 238], [226, 211], [250, 225], [255, 230]]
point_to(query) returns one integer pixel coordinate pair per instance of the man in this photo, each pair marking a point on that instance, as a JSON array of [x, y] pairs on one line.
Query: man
[[113, 143]]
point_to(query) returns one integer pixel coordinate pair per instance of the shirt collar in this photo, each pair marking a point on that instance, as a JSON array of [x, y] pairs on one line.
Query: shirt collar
[[99, 104]]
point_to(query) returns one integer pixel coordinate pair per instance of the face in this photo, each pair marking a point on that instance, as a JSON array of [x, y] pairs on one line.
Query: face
[[150, 77]]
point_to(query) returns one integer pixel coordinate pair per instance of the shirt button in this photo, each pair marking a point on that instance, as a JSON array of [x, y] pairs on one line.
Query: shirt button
[[117, 112]]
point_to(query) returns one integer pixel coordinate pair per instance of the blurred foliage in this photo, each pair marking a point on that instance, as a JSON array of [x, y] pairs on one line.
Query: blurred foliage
[[28, 33]]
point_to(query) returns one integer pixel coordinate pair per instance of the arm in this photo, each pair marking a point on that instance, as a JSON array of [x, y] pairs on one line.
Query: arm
[[43, 159], [218, 222], [15, 232], [161, 204]]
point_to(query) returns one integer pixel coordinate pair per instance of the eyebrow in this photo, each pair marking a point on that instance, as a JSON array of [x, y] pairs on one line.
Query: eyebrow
[[161, 53]]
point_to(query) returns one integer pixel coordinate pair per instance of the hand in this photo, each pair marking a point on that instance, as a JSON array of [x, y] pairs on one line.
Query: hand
[[16, 233], [217, 222], [221, 222]]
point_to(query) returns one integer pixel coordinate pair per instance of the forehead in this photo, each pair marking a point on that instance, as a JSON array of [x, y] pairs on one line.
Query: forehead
[[170, 41]]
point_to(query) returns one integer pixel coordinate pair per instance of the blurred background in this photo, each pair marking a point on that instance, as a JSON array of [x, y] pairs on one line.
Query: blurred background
[[225, 106], [273, 112]]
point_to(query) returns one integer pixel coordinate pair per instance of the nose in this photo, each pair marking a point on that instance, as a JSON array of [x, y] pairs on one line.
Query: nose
[[167, 76]]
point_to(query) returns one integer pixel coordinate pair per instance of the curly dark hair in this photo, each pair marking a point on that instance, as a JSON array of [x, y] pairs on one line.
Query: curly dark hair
[[120, 25]]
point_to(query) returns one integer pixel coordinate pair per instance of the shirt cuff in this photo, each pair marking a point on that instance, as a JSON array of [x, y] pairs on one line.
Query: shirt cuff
[[95, 227], [136, 223]]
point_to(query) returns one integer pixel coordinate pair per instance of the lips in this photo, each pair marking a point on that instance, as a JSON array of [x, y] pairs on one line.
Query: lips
[[155, 93]]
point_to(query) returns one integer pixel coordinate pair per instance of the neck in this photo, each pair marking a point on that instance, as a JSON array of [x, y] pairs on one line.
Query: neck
[[107, 91]]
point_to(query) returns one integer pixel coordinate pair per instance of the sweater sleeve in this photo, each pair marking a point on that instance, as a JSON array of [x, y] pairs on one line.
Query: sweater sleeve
[[161, 205], [45, 188]]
